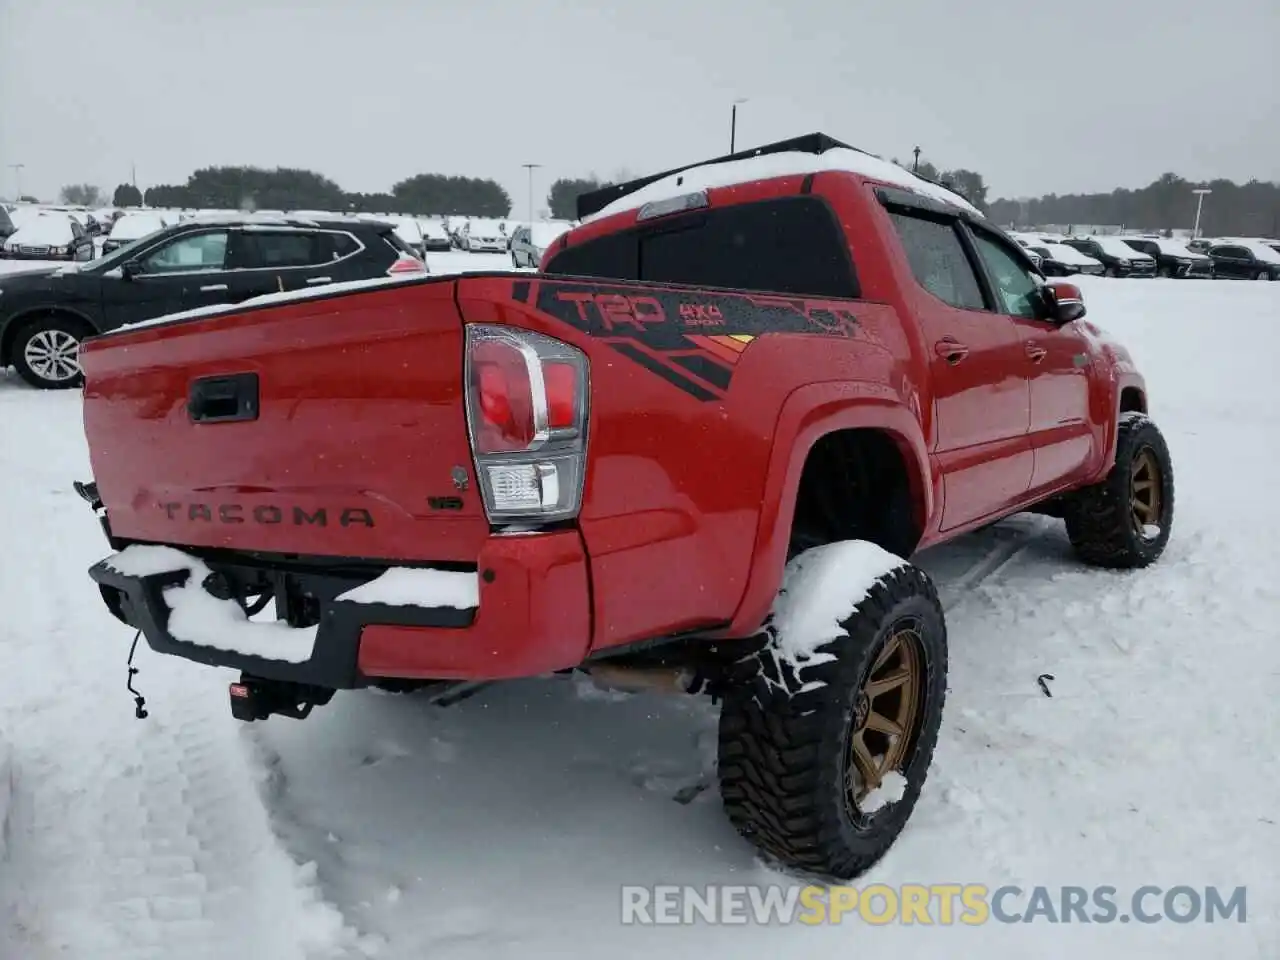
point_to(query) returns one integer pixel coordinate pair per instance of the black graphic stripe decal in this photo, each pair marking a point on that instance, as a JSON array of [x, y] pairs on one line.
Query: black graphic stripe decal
[[654, 365]]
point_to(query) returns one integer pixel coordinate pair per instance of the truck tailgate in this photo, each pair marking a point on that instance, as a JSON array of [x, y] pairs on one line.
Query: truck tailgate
[[324, 427]]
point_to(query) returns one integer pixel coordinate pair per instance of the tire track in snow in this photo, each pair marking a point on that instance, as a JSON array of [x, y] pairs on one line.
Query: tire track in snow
[[127, 839]]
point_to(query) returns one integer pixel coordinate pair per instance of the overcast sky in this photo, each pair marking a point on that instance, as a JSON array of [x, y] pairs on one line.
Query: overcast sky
[[1062, 96]]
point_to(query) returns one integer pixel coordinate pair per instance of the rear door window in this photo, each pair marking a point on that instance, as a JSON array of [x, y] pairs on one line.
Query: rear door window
[[295, 248], [938, 261], [787, 245]]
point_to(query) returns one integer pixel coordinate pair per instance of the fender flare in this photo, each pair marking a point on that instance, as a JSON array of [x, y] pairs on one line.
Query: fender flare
[[809, 413], [1122, 380]]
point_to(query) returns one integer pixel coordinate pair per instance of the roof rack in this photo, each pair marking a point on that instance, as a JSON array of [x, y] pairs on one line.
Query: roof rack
[[816, 143]]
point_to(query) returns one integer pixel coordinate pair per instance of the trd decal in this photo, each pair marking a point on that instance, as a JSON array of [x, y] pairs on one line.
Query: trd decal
[[692, 340]]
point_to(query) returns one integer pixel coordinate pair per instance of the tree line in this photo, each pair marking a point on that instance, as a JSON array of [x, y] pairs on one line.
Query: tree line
[[1231, 209], [254, 188]]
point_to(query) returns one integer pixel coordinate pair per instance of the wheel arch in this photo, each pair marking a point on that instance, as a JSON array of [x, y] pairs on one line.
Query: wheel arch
[[811, 414], [9, 332]]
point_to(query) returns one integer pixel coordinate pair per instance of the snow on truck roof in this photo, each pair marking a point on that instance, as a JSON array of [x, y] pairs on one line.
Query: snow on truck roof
[[815, 153]]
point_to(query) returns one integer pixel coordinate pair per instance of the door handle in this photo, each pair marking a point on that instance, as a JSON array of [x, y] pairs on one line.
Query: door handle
[[213, 288], [319, 279], [951, 349], [1035, 353], [222, 399]]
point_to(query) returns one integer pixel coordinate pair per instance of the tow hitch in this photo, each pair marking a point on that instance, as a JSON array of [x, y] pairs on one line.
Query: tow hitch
[[254, 698]]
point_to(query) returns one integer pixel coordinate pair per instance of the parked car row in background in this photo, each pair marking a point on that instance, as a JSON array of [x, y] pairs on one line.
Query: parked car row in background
[[1151, 255], [199, 262]]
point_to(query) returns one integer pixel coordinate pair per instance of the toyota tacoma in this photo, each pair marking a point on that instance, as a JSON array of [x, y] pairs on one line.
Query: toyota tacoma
[[696, 450]]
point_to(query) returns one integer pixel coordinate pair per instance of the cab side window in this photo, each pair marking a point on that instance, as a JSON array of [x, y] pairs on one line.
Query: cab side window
[[1017, 288]]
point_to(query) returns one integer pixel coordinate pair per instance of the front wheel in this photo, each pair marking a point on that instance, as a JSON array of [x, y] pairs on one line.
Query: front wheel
[[822, 759], [46, 352], [1125, 520], [1263, 275]]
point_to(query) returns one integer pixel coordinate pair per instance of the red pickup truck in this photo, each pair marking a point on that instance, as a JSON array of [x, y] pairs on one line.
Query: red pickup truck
[[695, 450]]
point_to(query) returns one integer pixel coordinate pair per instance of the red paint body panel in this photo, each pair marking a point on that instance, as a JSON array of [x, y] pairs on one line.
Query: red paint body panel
[[534, 617], [360, 408], [696, 439]]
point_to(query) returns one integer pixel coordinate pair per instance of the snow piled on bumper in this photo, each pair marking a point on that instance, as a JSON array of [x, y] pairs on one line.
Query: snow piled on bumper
[[408, 587], [196, 616]]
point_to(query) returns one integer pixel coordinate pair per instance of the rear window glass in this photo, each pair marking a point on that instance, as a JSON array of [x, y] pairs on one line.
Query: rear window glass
[[788, 245], [293, 249], [342, 245]]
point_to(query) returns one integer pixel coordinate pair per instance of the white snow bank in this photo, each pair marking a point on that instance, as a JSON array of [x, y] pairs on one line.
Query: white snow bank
[[287, 296], [780, 165], [50, 230], [6, 794], [1176, 248], [407, 587], [1118, 248], [892, 789], [821, 588], [1068, 254], [134, 226], [198, 617]]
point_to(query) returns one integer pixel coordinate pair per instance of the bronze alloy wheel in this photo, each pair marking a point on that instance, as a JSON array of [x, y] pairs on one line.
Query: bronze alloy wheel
[[1144, 493], [886, 713]]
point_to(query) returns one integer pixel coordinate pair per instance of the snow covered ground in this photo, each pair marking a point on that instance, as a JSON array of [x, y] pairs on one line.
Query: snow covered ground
[[506, 825]]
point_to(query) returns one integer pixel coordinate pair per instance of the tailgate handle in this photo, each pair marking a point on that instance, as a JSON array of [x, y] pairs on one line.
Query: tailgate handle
[[224, 399]]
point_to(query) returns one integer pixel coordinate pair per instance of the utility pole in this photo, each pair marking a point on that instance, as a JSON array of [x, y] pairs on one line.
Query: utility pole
[[17, 176], [531, 167], [1200, 194], [915, 164], [133, 170], [733, 125]]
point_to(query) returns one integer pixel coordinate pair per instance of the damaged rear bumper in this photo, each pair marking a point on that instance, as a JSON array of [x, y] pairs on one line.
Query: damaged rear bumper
[[532, 616]]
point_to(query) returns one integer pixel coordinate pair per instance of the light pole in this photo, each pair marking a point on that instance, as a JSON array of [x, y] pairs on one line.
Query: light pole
[[733, 124], [915, 163], [17, 176], [531, 167], [1200, 192]]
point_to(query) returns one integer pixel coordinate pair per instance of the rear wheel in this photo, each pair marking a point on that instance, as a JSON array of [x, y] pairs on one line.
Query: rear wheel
[[822, 763], [46, 351], [1263, 275]]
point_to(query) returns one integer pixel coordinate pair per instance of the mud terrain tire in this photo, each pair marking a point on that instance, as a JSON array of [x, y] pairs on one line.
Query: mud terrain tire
[[1103, 520], [787, 737]]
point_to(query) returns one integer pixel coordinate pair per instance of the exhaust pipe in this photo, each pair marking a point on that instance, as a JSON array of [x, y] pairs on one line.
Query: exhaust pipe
[[642, 679]]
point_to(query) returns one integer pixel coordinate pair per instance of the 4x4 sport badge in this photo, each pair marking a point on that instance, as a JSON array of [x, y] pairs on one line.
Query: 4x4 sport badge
[[690, 338]]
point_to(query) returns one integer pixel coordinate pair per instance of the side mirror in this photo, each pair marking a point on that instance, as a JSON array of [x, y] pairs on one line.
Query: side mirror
[[1063, 300], [130, 269]]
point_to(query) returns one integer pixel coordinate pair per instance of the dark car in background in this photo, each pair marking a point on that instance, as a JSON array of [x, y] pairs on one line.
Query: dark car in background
[[44, 314], [1118, 259], [1060, 260], [1245, 261], [1173, 259]]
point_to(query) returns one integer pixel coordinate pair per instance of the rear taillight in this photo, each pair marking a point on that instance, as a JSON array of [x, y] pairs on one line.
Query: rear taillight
[[527, 416], [406, 263]]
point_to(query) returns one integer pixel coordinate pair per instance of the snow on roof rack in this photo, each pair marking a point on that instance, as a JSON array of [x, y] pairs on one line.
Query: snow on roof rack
[[815, 143]]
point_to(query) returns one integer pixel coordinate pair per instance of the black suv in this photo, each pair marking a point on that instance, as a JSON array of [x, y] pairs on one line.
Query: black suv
[[1111, 253], [1172, 258], [1238, 262], [44, 314]]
